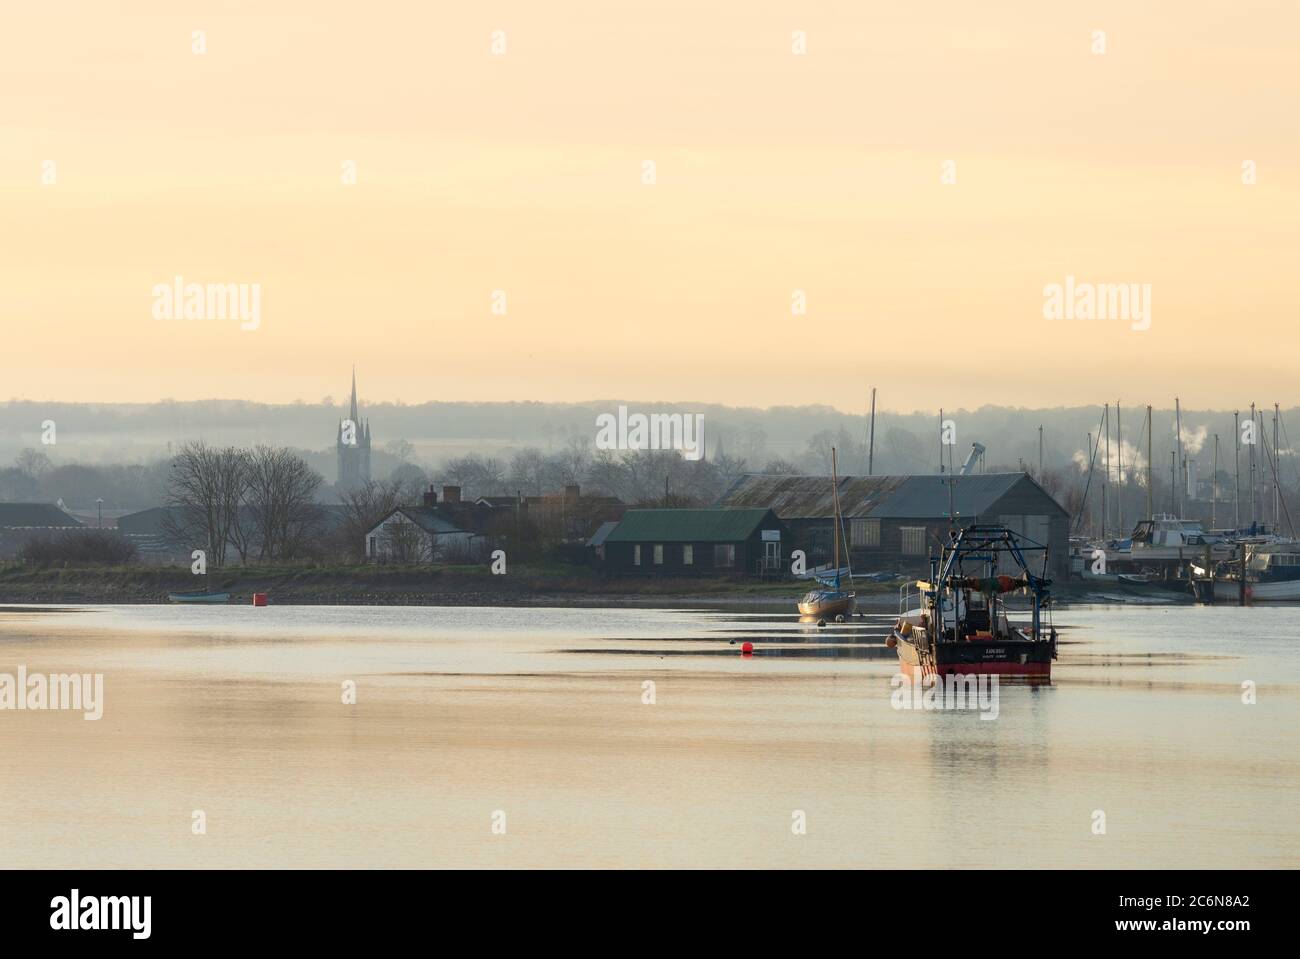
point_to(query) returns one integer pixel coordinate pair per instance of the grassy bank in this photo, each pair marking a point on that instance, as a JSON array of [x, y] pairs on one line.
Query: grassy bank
[[384, 585]]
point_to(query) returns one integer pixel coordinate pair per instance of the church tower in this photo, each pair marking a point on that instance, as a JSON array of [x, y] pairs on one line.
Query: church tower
[[353, 445]]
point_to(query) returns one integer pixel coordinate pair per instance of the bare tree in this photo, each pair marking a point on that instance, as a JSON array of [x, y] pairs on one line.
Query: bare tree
[[363, 508], [281, 502], [406, 543], [206, 486]]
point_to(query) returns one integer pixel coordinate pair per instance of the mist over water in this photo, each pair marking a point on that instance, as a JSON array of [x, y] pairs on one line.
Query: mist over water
[[538, 713]]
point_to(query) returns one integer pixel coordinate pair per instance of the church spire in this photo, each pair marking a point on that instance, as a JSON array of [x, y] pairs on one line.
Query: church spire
[[353, 415]]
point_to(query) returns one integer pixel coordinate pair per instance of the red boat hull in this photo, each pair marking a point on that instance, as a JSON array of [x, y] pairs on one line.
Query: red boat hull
[[1010, 658]]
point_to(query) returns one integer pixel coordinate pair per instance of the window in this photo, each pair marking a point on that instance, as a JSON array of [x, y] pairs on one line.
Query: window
[[688, 555], [636, 554], [724, 556], [864, 532], [913, 538], [659, 554]]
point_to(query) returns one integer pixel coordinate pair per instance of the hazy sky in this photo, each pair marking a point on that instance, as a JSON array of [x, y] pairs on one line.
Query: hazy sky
[[775, 172]]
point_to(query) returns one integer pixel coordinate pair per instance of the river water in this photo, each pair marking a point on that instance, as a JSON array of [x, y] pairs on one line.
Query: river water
[[526, 738]]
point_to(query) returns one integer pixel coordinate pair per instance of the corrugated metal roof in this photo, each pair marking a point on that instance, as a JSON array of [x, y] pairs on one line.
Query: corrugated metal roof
[[809, 497], [686, 525], [923, 497], [879, 497], [35, 515]]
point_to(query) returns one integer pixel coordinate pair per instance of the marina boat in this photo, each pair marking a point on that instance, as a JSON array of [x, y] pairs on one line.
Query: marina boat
[[830, 600], [1161, 541], [1272, 573], [960, 624], [198, 596]]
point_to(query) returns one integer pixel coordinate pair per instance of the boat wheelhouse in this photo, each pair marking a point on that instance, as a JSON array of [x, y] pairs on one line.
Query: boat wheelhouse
[[961, 625]]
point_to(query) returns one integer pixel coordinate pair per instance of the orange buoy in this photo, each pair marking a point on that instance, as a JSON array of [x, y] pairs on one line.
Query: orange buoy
[[259, 599]]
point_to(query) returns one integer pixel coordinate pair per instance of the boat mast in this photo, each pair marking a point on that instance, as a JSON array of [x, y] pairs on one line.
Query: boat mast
[[871, 435], [1173, 482], [835, 497], [1105, 477], [941, 440], [1236, 469], [1119, 446], [1214, 485], [1150, 476], [1092, 455], [1178, 457], [1251, 457], [1040, 452], [1277, 493]]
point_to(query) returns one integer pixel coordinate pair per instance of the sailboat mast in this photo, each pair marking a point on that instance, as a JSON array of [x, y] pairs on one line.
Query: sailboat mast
[[1150, 476], [1214, 485], [871, 436], [1105, 476], [1236, 469], [1119, 478], [835, 498], [1178, 456], [941, 439], [1092, 513], [1251, 457], [1277, 491]]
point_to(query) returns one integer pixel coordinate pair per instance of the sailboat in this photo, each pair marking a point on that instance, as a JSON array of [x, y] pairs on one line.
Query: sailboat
[[831, 599]]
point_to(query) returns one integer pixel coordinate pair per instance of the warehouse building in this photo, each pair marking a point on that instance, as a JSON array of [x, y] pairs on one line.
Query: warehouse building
[[696, 542], [894, 523]]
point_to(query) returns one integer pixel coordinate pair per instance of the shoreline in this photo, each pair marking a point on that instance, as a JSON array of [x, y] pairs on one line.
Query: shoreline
[[452, 586]]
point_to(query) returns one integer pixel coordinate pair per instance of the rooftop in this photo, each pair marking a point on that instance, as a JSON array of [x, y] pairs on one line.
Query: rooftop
[[687, 525], [880, 497]]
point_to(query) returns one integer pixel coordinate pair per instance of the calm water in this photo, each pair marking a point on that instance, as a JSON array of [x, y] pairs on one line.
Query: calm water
[[538, 714]]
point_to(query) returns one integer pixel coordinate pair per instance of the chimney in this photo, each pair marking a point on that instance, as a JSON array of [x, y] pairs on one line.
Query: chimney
[[430, 497], [571, 492], [451, 494]]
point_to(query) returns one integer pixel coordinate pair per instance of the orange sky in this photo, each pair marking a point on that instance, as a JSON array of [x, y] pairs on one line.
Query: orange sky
[[775, 172]]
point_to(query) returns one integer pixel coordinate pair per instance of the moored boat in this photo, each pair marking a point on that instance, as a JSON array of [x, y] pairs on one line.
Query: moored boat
[[831, 600], [1272, 575], [961, 625], [198, 596]]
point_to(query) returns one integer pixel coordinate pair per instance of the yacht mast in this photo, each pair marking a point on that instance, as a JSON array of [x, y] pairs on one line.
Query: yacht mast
[[1105, 477], [1150, 463], [1178, 459], [1236, 469], [871, 436], [1119, 446], [1214, 485]]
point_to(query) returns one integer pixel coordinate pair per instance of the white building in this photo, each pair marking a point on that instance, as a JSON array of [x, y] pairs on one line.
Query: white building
[[420, 534]]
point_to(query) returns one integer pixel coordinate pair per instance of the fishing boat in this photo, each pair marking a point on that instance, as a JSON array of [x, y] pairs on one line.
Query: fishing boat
[[198, 596], [959, 624], [831, 600]]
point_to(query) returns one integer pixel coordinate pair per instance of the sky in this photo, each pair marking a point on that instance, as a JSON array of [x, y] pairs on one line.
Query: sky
[[844, 195]]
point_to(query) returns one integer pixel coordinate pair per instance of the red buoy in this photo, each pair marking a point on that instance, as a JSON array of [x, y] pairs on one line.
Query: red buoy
[[747, 648], [259, 599]]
